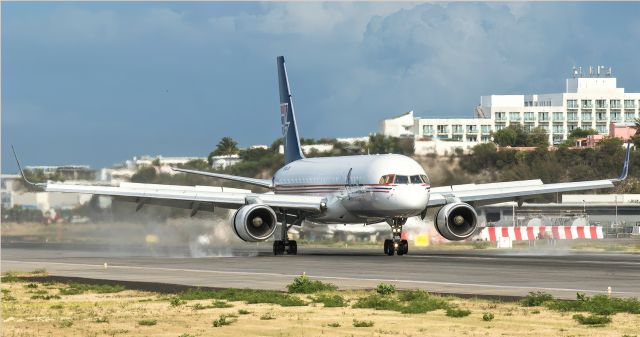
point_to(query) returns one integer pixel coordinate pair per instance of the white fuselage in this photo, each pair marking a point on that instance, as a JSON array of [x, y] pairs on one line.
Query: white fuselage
[[369, 188]]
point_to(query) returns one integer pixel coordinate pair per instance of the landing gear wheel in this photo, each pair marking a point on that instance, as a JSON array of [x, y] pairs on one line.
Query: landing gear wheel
[[293, 248], [388, 247], [404, 247], [278, 247]]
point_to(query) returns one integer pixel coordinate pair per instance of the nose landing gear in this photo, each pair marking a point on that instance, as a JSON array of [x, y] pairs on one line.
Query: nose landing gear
[[396, 245]]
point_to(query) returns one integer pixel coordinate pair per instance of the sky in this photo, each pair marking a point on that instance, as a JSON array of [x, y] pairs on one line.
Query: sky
[[98, 83]]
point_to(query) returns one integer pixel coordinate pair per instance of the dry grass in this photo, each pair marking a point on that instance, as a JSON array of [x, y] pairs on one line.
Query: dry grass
[[119, 314]]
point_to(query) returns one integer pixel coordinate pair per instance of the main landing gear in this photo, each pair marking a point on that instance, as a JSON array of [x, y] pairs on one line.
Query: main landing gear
[[286, 245], [396, 245]]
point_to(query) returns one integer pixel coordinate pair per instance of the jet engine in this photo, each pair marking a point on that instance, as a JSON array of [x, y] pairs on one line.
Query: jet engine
[[254, 222], [456, 221]]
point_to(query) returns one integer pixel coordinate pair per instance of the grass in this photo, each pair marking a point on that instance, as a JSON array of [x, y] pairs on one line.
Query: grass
[[536, 298], [175, 301], [102, 320], [267, 316], [334, 325], [599, 304], [147, 322], [592, 320], [10, 277], [455, 312], [362, 324], [407, 302], [80, 288], [31, 286], [223, 320], [329, 301], [215, 304], [304, 285], [45, 297], [488, 317], [249, 296], [65, 323], [244, 312], [385, 289], [57, 306]]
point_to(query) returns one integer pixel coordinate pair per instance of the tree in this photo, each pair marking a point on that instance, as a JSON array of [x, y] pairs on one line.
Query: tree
[[144, 175], [538, 137], [226, 146], [581, 133], [505, 137]]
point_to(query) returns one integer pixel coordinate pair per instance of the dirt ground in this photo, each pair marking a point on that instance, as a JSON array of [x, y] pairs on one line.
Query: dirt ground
[[121, 314]]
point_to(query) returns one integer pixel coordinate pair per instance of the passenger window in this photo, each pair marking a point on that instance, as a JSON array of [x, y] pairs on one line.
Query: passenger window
[[402, 179], [416, 179]]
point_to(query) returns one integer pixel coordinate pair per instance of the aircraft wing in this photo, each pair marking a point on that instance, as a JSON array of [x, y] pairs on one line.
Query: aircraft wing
[[193, 197], [516, 190]]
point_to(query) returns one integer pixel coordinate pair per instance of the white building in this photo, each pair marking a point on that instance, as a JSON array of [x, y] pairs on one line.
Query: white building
[[591, 101]]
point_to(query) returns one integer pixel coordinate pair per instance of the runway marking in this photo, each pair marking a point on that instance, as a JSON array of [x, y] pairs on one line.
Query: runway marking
[[535, 257], [477, 285]]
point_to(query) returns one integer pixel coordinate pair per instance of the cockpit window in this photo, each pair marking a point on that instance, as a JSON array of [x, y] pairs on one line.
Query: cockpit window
[[416, 180], [402, 179], [425, 179], [387, 179]]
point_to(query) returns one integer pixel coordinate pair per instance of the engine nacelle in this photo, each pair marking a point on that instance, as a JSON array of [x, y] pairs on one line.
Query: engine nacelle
[[254, 222], [456, 221]]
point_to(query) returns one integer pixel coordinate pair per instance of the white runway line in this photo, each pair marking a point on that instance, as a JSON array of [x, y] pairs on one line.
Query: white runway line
[[522, 257], [477, 285]]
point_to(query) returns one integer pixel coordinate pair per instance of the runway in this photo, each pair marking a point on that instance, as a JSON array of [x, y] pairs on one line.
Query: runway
[[490, 272]]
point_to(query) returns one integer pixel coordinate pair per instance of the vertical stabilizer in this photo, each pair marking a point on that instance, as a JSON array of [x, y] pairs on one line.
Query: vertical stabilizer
[[291, 140]]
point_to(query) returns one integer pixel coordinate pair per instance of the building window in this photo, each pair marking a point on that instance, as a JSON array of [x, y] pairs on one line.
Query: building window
[[572, 116], [545, 127], [629, 104], [602, 128], [473, 138], [457, 129], [601, 104], [558, 116], [585, 126], [571, 127], [629, 116], [586, 104], [615, 116], [500, 127], [484, 139], [558, 128], [457, 138], [514, 116], [586, 116], [601, 116], [528, 127], [557, 139], [615, 103], [501, 116], [572, 104], [427, 130], [529, 116], [543, 116], [472, 129], [443, 129], [486, 129]]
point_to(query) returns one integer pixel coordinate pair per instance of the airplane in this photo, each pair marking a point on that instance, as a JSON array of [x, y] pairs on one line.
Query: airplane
[[335, 190]]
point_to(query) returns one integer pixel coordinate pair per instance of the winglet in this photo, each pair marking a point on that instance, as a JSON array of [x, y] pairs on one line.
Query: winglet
[[625, 167], [40, 185]]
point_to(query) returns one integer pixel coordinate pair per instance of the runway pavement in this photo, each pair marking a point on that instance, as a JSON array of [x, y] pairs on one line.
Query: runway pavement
[[487, 272]]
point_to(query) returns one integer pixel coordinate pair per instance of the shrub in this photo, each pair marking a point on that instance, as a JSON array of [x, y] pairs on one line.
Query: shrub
[[268, 316], [536, 298], [45, 297], [304, 285], [455, 312], [10, 277], [362, 324], [385, 289], [147, 322], [186, 335], [487, 317], [56, 306], [599, 304], [102, 320], [31, 286], [221, 304], [375, 301], [480, 244], [334, 325], [244, 312], [175, 301], [595, 320], [222, 320], [329, 301], [78, 288]]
